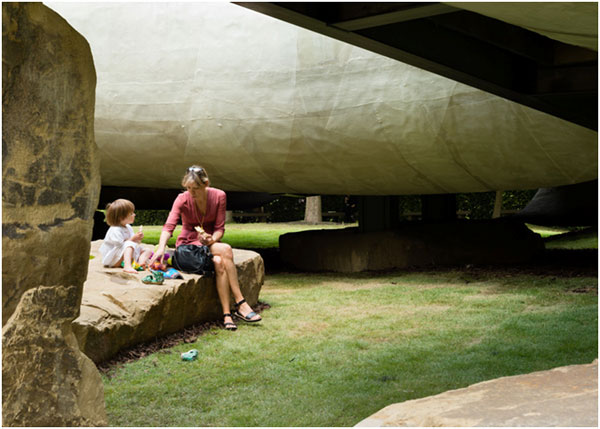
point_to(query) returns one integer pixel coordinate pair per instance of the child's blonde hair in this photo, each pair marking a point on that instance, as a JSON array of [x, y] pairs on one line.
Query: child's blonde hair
[[118, 210]]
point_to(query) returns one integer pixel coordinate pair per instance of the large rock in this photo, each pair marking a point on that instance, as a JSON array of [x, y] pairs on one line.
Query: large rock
[[50, 189], [565, 396], [411, 245], [118, 310], [46, 380]]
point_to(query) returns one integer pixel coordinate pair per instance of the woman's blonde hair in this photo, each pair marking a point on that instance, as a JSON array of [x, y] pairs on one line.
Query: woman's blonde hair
[[118, 210], [195, 174]]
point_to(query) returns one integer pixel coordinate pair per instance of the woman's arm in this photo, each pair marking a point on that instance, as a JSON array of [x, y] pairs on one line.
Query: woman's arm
[[168, 228], [219, 231], [162, 244], [219, 225], [217, 235]]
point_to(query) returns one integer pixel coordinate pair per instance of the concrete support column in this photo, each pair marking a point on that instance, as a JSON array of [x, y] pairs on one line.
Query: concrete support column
[[438, 207], [378, 213]]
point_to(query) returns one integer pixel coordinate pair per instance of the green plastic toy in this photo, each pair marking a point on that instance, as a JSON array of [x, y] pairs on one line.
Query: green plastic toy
[[134, 265], [189, 356]]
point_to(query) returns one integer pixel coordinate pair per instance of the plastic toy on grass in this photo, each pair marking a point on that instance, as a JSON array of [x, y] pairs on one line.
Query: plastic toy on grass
[[189, 356]]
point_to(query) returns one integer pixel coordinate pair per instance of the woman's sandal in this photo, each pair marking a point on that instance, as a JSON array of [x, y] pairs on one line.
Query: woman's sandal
[[156, 278], [230, 326], [248, 317]]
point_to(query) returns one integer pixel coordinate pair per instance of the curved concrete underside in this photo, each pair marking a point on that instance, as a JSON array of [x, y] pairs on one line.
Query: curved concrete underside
[[269, 107]]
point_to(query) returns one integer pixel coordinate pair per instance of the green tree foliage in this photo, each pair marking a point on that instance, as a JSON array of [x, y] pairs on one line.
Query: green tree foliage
[[479, 205], [151, 217]]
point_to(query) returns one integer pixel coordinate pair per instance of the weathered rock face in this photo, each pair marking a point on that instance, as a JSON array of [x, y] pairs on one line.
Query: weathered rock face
[[50, 190], [566, 396], [46, 380], [118, 310], [412, 245], [50, 170]]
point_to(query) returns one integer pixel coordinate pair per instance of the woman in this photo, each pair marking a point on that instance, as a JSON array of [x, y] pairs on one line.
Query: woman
[[204, 207]]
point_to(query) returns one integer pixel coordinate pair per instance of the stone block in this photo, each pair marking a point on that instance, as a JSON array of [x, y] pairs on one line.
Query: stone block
[[50, 169], [119, 311], [561, 397], [50, 186], [46, 380], [410, 245]]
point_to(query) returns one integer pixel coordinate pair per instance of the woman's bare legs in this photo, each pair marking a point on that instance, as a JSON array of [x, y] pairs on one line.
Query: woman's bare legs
[[222, 286], [225, 254]]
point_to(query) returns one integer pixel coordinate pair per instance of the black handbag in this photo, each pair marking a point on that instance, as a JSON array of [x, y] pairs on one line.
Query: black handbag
[[193, 259]]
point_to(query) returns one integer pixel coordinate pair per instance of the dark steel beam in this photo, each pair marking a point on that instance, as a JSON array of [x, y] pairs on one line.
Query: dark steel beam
[[488, 54], [420, 10]]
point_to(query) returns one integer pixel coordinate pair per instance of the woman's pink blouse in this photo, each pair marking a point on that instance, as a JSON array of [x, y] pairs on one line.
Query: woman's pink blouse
[[184, 208]]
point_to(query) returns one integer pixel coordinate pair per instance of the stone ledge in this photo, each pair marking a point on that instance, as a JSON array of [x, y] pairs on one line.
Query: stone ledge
[[119, 311], [416, 244], [565, 396]]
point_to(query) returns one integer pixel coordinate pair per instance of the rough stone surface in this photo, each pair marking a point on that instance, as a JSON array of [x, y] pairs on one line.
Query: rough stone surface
[[50, 171], [118, 310], [565, 396], [411, 245], [50, 189], [46, 380]]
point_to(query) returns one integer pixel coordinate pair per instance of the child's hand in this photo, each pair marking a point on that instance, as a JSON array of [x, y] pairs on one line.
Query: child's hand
[[137, 237]]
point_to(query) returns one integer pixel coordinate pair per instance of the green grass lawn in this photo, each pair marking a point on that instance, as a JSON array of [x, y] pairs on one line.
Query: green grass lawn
[[333, 349], [246, 235], [266, 235]]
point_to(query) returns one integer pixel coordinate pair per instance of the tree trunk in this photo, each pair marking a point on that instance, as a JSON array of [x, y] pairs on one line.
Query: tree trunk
[[497, 205], [312, 212]]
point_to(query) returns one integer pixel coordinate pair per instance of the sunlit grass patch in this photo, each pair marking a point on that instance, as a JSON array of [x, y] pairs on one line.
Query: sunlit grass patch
[[333, 349], [565, 238], [246, 235]]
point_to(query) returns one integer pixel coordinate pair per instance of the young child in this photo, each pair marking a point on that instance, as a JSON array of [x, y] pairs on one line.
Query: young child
[[120, 243]]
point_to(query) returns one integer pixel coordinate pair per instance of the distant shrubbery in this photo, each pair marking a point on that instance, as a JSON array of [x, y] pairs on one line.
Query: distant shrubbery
[[291, 209], [151, 217], [480, 205]]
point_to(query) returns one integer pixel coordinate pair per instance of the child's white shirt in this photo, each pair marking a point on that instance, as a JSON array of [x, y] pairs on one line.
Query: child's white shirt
[[117, 239]]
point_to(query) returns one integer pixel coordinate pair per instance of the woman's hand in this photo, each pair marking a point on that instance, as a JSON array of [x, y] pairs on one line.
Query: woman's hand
[[160, 249], [207, 239], [159, 253]]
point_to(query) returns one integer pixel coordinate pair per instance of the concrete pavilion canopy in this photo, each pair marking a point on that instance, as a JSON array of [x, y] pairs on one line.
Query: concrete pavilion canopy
[[267, 106]]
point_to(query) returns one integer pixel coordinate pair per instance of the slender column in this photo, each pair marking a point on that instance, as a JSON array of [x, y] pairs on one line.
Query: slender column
[[378, 213], [497, 205]]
